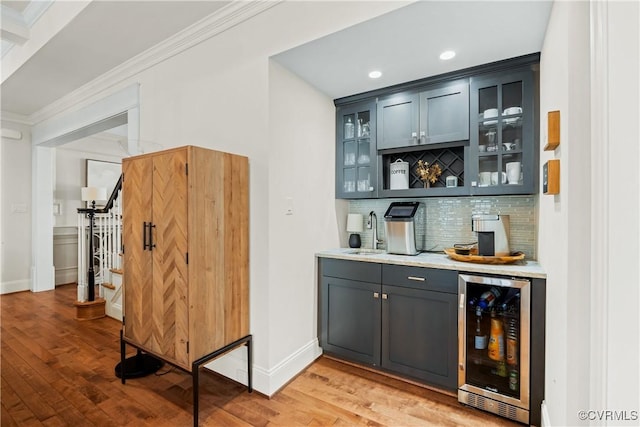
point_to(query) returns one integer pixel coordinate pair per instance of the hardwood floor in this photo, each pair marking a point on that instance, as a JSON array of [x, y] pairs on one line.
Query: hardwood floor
[[57, 371]]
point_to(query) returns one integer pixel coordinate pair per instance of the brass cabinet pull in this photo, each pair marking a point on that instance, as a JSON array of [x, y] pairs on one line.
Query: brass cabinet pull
[[385, 296], [376, 295]]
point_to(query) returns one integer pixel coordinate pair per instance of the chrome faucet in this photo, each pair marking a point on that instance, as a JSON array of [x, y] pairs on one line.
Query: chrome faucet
[[373, 222]]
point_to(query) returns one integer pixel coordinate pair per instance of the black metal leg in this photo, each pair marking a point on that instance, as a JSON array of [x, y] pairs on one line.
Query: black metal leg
[[122, 356], [194, 375]]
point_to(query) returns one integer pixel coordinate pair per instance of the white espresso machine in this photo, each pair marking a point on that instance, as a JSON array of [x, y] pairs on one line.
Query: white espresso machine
[[493, 234]]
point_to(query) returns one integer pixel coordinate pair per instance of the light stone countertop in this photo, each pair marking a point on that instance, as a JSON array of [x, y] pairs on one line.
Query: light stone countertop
[[524, 268]]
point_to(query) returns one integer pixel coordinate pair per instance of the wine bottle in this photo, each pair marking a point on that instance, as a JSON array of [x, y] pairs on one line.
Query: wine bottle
[[512, 341], [480, 340], [488, 298]]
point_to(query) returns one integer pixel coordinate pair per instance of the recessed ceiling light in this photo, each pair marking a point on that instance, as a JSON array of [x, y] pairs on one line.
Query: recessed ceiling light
[[447, 54], [375, 74]]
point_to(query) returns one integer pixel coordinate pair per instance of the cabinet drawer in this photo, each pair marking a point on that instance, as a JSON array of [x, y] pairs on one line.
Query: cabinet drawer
[[420, 278], [351, 270]]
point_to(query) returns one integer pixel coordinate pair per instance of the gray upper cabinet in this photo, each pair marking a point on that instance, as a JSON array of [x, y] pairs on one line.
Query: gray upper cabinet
[[398, 121], [480, 125], [444, 114], [356, 151], [503, 145], [434, 115]]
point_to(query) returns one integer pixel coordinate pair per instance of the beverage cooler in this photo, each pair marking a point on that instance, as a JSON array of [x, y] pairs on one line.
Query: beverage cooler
[[494, 345]]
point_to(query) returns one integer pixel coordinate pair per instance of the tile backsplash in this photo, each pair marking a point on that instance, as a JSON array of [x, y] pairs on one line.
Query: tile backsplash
[[442, 222]]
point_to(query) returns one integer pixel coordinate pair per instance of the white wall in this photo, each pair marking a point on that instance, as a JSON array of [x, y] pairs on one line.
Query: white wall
[[622, 200], [302, 169], [564, 219], [218, 95], [573, 242], [16, 221], [71, 176]]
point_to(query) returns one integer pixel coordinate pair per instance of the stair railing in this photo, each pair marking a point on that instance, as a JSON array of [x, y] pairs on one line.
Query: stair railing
[[107, 237]]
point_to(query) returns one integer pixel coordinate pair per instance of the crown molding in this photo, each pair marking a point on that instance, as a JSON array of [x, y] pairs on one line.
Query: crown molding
[[225, 18], [11, 117]]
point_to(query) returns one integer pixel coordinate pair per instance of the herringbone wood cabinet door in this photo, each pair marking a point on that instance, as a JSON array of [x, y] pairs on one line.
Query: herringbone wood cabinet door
[[157, 316], [170, 319], [137, 278]]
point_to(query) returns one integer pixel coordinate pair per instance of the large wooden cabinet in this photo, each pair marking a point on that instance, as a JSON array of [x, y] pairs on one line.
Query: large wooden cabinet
[[186, 246]]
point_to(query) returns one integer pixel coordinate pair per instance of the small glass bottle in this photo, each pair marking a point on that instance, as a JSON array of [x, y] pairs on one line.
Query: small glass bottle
[[349, 129], [513, 379], [496, 339]]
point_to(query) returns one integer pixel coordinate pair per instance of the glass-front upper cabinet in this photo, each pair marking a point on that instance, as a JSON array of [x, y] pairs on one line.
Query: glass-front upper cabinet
[[503, 139], [356, 161]]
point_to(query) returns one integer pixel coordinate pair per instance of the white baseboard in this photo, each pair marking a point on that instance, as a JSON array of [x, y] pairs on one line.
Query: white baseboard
[[15, 286], [266, 381], [66, 275], [544, 418]]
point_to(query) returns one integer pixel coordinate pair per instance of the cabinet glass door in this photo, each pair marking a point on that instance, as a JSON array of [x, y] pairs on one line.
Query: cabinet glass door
[[494, 338], [356, 153], [503, 118]]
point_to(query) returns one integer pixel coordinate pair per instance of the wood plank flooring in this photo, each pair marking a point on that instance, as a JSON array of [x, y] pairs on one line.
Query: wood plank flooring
[[57, 371]]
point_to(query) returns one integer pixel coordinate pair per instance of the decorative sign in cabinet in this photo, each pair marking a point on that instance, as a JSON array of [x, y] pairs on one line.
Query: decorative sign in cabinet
[[356, 155], [503, 145], [435, 115], [401, 319]]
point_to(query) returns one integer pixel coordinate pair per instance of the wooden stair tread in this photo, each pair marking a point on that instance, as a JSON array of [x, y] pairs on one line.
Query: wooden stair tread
[[116, 270], [108, 286]]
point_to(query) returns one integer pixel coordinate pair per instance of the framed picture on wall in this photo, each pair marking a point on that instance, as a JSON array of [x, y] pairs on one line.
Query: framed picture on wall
[[103, 174]]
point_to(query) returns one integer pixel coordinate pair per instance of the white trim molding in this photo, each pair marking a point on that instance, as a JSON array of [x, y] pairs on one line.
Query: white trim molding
[[266, 381], [14, 286], [600, 250], [223, 19], [122, 106]]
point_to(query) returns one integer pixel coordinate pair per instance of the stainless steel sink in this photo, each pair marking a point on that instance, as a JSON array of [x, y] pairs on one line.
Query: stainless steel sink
[[362, 251]]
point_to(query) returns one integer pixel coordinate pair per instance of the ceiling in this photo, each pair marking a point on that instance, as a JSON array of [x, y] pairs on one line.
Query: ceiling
[[403, 44], [104, 34]]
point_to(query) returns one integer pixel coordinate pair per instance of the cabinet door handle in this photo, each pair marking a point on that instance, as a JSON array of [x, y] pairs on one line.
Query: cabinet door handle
[[423, 137], [376, 295], [144, 236], [461, 300], [151, 244], [385, 296], [417, 279], [414, 136]]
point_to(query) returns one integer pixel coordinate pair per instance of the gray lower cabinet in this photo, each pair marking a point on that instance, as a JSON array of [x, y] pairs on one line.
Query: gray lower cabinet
[[351, 319], [419, 336], [400, 319]]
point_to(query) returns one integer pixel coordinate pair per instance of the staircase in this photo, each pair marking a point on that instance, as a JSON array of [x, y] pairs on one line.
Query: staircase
[[112, 293], [106, 257]]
